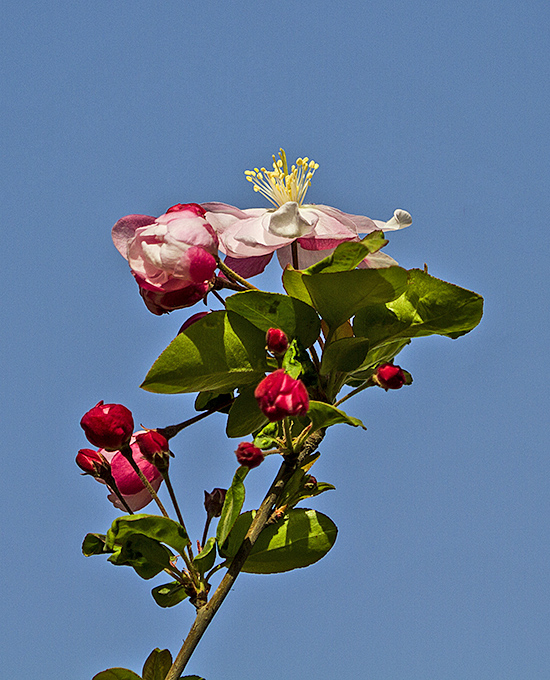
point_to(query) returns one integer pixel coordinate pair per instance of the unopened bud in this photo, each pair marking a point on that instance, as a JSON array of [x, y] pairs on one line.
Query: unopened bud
[[279, 395], [108, 426], [276, 341], [249, 455], [154, 448], [93, 463], [390, 377], [213, 502]]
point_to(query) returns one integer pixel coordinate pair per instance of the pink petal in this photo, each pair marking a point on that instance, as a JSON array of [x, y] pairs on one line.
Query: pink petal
[[248, 266], [124, 231]]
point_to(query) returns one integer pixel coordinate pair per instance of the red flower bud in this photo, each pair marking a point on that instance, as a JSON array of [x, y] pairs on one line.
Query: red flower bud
[[108, 426], [92, 463], [390, 377], [213, 502], [249, 455], [280, 395], [160, 303], [154, 448], [276, 341]]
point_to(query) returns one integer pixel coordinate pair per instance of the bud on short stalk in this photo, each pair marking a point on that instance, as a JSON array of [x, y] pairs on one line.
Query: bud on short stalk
[[249, 455], [390, 377], [279, 395], [93, 463], [276, 342], [108, 426], [155, 449]]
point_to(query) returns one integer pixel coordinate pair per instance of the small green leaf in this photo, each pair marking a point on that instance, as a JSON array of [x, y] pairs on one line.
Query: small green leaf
[[273, 310], [345, 355], [427, 306], [267, 437], [245, 415], [157, 665], [169, 594], [234, 500], [294, 285], [190, 677], [117, 674], [146, 555], [204, 561], [160, 529], [219, 352], [349, 254], [301, 538], [325, 415], [94, 544]]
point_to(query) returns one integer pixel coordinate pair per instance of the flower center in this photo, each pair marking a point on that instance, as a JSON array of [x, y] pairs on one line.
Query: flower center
[[279, 185]]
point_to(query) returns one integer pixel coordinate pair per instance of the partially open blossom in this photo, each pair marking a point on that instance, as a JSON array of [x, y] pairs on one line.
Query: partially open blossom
[[276, 341], [92, 463], [249, 455], [279, 395], [172, 257], [390, 377], [250, 237], [213, 502], [108, 426], [154, 448]]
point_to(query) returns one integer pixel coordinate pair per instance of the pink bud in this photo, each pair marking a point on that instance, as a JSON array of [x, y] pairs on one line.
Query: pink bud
[[249, 455], [108, 426], [92, 462], [279, 395], [154, 448], [276, 341], [390, 377], [161, 303]]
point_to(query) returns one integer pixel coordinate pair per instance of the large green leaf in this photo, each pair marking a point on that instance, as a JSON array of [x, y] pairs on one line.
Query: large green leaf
[[344, 355], [219, 352], [117, 674], [325, 415], [301, 538], [234, 500], [338, 296], [158, 528], [273, 310], [349, 254], [245, 415], [146, 555], [169, 594], [157, 665], [428, 306]]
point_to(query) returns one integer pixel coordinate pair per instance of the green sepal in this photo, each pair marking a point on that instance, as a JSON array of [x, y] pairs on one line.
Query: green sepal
[[301, 538], [94, 544], [218, 353], [146, 555], [117, 674], [204, 561], [232, 506], [345, 355], [273, 310], [349, 254], [427, 306], [161, 529], [169, 594], [325, 415], [157, 665], [245, 415]]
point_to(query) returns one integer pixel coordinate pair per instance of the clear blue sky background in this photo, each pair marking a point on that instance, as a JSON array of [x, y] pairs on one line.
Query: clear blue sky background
[[441, 569]]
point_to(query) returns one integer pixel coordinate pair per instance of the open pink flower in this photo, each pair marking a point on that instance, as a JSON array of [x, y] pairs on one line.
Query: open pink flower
[[250, 237], [172, 257]]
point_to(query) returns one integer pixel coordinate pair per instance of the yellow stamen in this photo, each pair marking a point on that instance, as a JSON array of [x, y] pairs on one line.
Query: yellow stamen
[[279, 185]]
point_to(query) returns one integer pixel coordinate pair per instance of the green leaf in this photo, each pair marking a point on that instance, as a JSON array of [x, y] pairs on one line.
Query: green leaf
[[169, 594], [349, 254], [234, 500], [161, 529], [273, 310], [219, 352], [204, 561], [117, 674], [213, 401], [94, 544], [190, 677], [345, 355], [157, 665], [146, 555], [267, 437], [427, 306], [338, 296], [294, 285], [325, 415], [245, 415], [301, 538], [378, 355]]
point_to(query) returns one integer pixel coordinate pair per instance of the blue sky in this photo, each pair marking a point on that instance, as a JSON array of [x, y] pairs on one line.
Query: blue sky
[[441, 567]]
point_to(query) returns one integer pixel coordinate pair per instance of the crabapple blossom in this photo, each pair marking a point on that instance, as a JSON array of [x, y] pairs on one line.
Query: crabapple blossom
[[108, 426], [279, 395]]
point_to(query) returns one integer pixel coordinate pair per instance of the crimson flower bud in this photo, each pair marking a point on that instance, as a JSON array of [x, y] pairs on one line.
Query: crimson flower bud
[[92, 463], [390, 377], [276, 341], [279, 395], [108, 426], [154, 448], [249, 455], [213, 502]]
